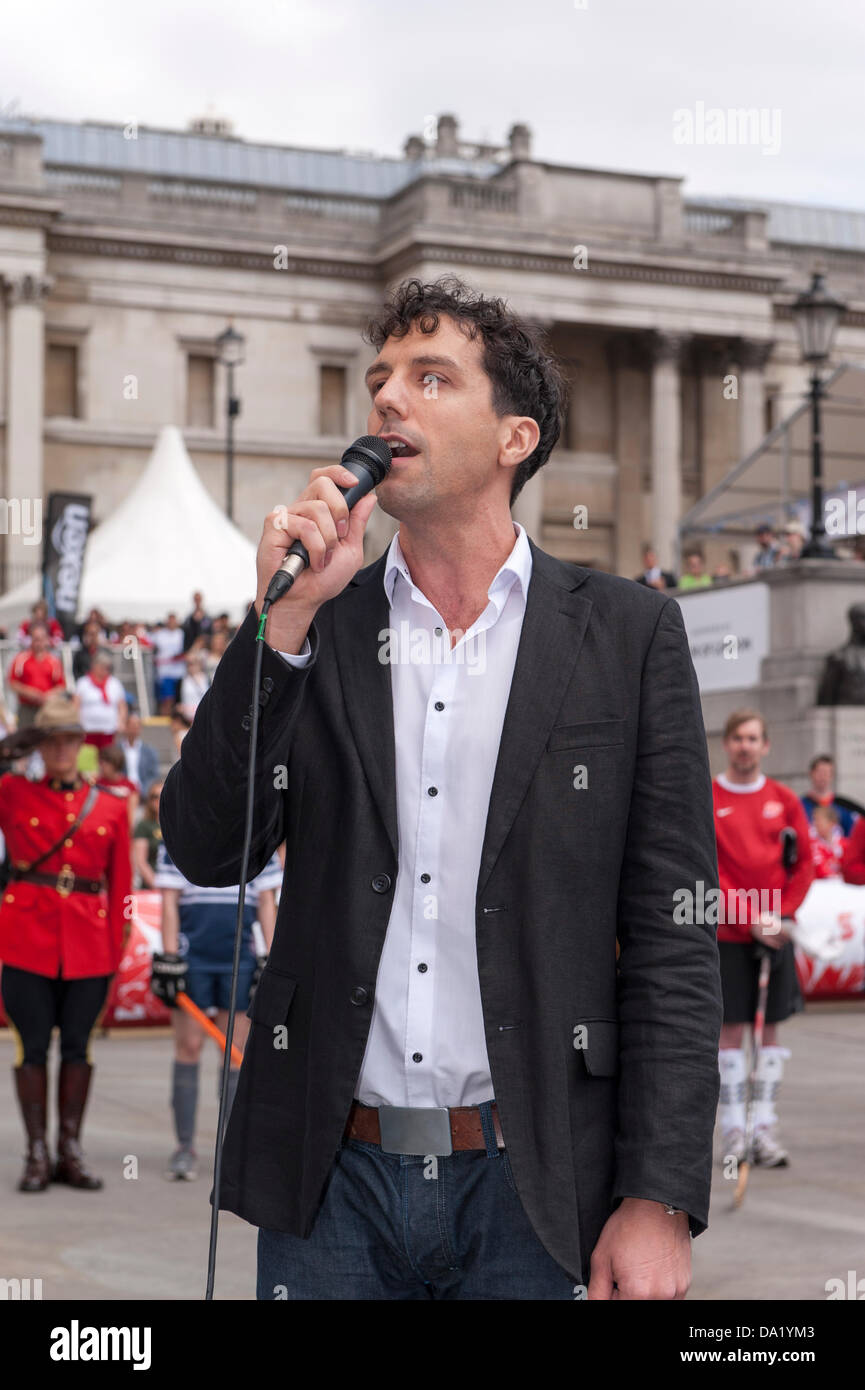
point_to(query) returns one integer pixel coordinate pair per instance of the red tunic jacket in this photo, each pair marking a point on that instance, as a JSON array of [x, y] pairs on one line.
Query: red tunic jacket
[[42, 930]]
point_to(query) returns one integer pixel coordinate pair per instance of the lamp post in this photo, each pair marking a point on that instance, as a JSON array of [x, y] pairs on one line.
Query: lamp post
[[230, 347], [817, 315]]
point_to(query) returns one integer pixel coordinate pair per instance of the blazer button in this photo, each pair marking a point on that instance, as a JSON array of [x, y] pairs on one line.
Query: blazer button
[[263, 697], [359, 995], [246, 723], [267, 683], [381, 883]]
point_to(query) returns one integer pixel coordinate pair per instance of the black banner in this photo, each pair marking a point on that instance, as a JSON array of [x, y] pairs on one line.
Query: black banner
[[66, 532]]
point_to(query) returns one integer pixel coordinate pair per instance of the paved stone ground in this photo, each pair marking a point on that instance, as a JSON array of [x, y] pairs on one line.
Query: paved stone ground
[[146, 1238]]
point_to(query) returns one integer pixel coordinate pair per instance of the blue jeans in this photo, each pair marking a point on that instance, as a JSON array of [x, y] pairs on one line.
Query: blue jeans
[[396, 1226]]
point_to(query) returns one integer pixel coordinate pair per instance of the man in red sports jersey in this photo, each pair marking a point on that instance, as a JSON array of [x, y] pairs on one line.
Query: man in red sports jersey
[[759, 897]]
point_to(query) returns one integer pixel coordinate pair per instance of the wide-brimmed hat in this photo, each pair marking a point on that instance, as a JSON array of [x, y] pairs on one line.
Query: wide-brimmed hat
[[57, 715]]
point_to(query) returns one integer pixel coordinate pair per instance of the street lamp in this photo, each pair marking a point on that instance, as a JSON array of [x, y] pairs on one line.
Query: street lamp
[[817, 315], [230, 347]]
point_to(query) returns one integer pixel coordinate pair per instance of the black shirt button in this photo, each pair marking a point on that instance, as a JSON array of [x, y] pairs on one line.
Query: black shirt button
[[381, 883], [417, 1056], [439, 704], [432, 791], [246, 723], [424, 878], [267, 683], [359, 995], [423, 968]]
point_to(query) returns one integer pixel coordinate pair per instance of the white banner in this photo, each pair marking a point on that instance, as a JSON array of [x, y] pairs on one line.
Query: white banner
[[830, 939], [728, 632]]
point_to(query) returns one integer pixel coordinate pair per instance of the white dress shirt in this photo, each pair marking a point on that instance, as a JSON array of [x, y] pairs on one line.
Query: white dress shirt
[[426, 1044]]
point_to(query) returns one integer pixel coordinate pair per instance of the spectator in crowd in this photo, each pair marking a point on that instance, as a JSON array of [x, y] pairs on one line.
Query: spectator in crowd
[[91, 641], [95, 616], [34, 674], [141, 759], [821, 771], [853, 858], [180, 726], [722, 574], [169, 643], [827, 843], [218, 644], [768, 550], [194, 684], [102, 702], [147, 837], [198, 624], [112, 775], [39, 614], [652, 574], [792, 543], [222, 623], [695, 576]]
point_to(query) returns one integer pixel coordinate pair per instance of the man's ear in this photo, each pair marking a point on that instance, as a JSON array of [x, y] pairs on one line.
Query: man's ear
[[521, 435]]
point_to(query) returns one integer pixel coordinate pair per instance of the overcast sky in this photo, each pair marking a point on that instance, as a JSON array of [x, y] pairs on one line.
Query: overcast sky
[[599, 86]]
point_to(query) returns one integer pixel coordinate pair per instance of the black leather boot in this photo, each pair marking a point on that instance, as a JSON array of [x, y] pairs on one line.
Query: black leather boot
[[73, 1085], [31, 1081]]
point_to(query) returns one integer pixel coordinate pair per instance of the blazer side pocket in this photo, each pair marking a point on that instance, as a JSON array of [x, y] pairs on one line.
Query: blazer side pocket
[[599, 1045], [272, 999], [597, 733]]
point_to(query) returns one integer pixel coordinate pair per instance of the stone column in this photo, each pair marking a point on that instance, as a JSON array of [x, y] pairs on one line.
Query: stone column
[[627, 360], [666, 508], [751, 356], [25, 359]]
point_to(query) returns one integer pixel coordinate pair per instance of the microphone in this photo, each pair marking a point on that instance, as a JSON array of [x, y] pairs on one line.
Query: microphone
[[369, 459]]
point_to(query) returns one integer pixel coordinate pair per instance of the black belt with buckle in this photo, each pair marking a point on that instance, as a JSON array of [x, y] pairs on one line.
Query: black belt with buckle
[[65, 882]]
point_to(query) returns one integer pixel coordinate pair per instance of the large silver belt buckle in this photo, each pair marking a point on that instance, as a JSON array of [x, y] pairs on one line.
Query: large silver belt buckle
[[410, 1130]]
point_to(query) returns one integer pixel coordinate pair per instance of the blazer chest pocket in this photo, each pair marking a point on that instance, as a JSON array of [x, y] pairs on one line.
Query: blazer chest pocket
[[596, 1040], [597, 733], [272, 999]]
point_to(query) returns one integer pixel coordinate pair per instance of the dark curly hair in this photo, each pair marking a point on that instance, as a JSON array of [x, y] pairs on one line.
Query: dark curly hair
[[526, 379]]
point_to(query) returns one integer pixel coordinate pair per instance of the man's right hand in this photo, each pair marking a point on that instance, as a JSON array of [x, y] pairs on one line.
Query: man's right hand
[[333, 537]]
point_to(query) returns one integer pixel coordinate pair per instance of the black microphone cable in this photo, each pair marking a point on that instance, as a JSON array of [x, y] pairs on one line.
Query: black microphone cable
[[369, 458]]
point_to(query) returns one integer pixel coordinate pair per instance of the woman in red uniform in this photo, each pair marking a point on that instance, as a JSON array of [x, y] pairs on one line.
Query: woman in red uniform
[[62, 920]]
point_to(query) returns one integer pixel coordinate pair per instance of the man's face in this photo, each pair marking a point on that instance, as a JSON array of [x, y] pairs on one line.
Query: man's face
[[432, 391], [60, 755], [821, 777], [650, 559], [695, 565], [764, 539], [746, 747], [133, 727], [38, 640]]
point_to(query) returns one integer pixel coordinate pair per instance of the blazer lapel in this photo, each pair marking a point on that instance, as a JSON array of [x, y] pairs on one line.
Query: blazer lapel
[[366, 684], [553, 629]]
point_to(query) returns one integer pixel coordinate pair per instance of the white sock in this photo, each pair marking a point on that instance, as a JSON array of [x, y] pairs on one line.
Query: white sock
[[770, 1069], [733, 1069]]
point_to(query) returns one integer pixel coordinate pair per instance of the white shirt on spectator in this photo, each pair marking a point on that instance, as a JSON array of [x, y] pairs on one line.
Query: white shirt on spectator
[[100, 716]]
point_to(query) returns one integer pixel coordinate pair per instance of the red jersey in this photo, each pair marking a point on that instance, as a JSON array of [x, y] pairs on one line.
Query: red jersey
[[827, 857], [42, 673], [48, 931], [748, 825], [853, 862]]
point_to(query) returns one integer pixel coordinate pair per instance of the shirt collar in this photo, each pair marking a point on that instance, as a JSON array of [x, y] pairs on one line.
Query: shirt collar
[[517, 568], [756, 786]]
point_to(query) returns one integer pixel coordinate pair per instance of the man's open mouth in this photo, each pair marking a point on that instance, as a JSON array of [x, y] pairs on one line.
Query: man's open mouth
[[399, 447]]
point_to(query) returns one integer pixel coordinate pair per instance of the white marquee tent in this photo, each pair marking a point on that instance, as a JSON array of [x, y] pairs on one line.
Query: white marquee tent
[[167, 539]]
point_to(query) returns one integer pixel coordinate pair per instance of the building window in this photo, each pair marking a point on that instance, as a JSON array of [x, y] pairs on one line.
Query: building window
[[61, 380], [332, 400], [770, 407], [200, 379]]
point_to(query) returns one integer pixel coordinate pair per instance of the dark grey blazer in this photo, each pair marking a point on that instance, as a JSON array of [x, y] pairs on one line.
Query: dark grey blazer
[[604, 681]]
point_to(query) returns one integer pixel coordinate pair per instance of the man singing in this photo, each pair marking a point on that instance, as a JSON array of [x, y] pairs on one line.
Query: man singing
[[452, 1088]]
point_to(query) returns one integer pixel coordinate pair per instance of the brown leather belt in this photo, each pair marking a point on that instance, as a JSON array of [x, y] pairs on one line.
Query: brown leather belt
[[65, 882], [465, 1120]]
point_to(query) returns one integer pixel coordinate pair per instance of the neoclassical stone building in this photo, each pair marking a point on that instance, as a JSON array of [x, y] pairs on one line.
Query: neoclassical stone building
[[124, 253]]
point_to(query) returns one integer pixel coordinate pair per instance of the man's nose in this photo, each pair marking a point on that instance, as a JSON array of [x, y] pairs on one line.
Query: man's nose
[[391, 398]]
